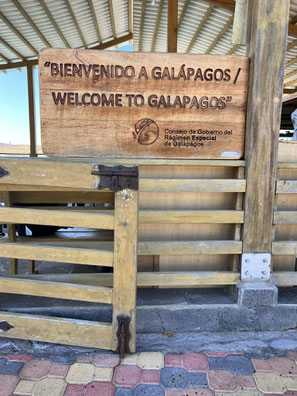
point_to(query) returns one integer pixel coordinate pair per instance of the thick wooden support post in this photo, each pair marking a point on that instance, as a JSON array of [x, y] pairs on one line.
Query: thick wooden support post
[[11, 231], [125, 263], [172, 25], [268, 26], [30, 83]]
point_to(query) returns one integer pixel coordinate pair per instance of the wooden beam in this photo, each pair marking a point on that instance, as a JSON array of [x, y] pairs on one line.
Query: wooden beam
[[57, 330], [141, 25], [292, 30], [16, 65], [291, 74], [291, 62], [114, 42], [54, 23], [233, 49], [17, 33], [4, 58], [291, 45], [11, 49], [95, 20], [228, 4], [76, 24], [31, 23], [267, 19], [220, 35], [183, 13], [31, 105], [113, 25], [290, 83], [200, 27], [289, 91], [130, 16], [11, 231], [156, 29], [172, 26]]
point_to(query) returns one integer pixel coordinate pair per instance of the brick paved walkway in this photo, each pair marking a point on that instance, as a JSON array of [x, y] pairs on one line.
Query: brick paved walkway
[[150, 374]]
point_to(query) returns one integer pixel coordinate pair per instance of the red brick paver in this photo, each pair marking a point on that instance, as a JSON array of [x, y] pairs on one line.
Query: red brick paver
[[173, 360], [283, 366], [74, 390], [127, 375], [7, 384], [221, 380], [58, 371], [246, 382], [20, 358], [35, 369], [150, 376], [99, 388], [195, 362]]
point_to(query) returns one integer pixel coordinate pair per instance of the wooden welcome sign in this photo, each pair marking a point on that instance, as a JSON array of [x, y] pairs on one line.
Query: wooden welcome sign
[[142, 105]]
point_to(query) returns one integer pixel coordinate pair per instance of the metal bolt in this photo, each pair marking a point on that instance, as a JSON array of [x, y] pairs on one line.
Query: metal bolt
[[125, 224], [247, 260], [264, 272], [126, 196], [246, 272], [265, 261]]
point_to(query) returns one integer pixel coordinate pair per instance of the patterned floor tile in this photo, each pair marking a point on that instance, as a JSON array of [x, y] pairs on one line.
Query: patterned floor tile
[[25, 387], [292, 355], [283, 366], [58, 370], [80, 373], [149, 390], [174, 378], [49, 387], [74, 390], [246, 381], [239, 364], [127, 375], [124, 391], [262, 365], [269, 383], [20, 358], [198, 392], [35, 369], [12, 367], [290, 383], [170, 392], [195, 362], [103, 374], [220, 380], [151, 360], [198, 379], [173, 360], [151, 376], [7, 384], [99, 388]]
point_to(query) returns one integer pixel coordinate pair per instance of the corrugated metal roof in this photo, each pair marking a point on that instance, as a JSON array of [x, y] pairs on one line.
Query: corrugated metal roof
[[28, 26]]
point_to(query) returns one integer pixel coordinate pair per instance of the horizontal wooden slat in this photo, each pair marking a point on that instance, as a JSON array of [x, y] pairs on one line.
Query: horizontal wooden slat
[[287, 165], [58, 197], [284, 247], [57, 330], [284, 278], [31, 251], [191, 185], [286, 187], [102, 220], [190, 216], [285, 217], [145, 248], [62, 290], [150, 278]]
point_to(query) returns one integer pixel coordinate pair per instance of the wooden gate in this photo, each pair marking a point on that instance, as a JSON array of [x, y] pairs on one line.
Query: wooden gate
[[43, 175]]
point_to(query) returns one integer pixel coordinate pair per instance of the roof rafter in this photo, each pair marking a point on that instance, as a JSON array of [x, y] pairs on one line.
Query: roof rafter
[[73, 17], [31, 23], [141, 25], [200, 27], [233, 49], [291, 62], [288, 75], [112, 19], [17, 33], [220, 35], [160, 9], [11, 49], [95, 20], [4, 58], [290, 83], [130, 16], [54, 23], [183, 13]]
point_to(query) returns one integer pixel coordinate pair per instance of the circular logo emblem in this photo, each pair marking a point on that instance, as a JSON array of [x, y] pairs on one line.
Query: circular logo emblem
[[146, 131]]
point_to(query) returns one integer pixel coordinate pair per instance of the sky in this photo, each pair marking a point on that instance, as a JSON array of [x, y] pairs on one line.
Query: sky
[[14, 116]]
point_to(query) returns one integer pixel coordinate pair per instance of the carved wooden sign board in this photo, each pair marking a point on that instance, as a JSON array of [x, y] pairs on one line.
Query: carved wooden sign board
[[142, 105]]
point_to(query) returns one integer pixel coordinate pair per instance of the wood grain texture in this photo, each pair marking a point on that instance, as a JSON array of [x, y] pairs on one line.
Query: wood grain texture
[[62, 290], [285, 217], [284, 278], [284, 247], [125, 262], [11, 231], [57, 330], [60, 254], [286, 186], [88, 127], [268, 24], [63, 218]]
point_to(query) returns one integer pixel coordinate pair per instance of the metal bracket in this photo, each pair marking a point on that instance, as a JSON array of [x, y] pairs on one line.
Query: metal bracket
[[256, 266], [3, 172], [5, 326], [123, 334], [116, 178]]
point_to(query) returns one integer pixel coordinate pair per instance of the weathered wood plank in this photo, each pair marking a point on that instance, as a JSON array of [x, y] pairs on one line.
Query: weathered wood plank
[[11, 231], [57, 330], [284, 247], [287, 165], [267, 24], [125, 262], [102, 220], [286, 187], [190, 216], [62, 290], [285, 217], [30, 251], [145, 279], [58, 197], [191, 185], [284, 278]]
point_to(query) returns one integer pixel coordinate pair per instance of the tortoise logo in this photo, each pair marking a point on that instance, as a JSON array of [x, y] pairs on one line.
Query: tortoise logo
[[146, 131]]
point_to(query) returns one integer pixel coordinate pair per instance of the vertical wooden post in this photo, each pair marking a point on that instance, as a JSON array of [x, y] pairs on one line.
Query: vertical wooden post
[[125, 262], [268, 26], [172, 25], [11, 231], [30, 83]]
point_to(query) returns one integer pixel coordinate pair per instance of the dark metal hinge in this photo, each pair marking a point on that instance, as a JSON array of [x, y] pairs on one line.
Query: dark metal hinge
[[123, 334], [117, 178]]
